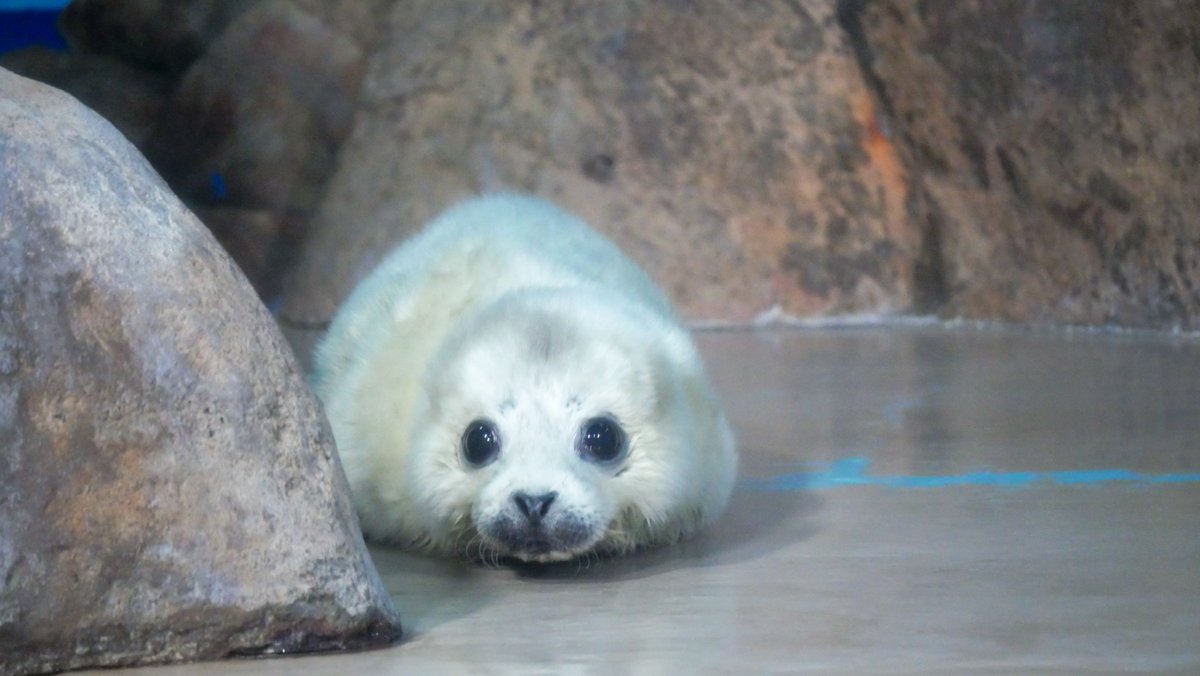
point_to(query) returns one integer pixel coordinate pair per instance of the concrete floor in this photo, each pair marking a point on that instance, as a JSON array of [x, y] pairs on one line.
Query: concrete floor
[[914, 500]]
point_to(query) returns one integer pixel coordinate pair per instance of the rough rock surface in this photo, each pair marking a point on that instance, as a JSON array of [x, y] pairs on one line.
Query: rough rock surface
[[168, 485], [250, 132], [265, 107], [1027, 160], [240, 105], [130, 97], [1054, 149], [727, 146]]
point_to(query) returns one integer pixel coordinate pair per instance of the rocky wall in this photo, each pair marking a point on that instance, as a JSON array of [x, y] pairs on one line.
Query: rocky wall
[[1021, 160]]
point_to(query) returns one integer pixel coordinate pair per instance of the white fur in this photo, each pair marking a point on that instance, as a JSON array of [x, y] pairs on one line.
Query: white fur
[[508, 309]]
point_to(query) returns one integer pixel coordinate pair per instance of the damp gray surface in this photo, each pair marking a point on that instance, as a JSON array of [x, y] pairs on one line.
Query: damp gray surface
[[913, 500]]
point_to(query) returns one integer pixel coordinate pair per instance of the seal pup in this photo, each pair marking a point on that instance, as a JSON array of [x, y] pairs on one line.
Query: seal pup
[[508, 384]]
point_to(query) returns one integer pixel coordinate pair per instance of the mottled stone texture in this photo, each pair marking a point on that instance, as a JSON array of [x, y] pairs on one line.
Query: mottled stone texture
[[727, 146], [129, 97], [1054, 148], [1026, 160], [268, 127], [249, 135], [168, 486], [240, 105]]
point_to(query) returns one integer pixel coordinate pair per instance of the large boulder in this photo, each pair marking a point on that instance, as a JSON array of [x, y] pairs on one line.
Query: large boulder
[[169, 489], [729, 147], [1054, 149]]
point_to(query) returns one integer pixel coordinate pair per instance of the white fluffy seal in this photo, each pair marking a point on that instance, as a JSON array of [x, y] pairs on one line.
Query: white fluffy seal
[[508, 384]]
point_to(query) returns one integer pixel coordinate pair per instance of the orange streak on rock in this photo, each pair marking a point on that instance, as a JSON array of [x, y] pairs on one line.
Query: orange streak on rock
[[883, 159]]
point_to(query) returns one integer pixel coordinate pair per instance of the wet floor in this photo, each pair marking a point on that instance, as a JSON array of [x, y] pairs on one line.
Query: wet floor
[[914, 499]]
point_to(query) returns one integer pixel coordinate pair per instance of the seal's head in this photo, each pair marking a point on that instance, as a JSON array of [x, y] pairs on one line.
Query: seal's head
[[559, 423]]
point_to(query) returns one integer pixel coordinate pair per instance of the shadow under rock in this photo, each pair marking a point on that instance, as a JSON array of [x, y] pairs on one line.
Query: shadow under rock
[[429, 590]]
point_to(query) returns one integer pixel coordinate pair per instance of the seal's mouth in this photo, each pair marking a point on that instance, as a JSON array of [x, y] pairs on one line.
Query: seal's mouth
[[560, 540], [535, 544]]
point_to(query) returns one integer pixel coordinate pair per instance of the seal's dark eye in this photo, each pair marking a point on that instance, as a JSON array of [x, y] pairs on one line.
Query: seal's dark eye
[[480, 443], [601, 440]]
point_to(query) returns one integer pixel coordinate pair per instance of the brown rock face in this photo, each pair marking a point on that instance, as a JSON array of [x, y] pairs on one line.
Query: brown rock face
[[131, 98], [251, 131], [240, 105], [1054, 148], [1023, 160], [729, 147], [265, 109], [168, 486]]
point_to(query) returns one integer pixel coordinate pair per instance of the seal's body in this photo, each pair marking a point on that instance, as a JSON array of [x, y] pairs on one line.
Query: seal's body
[[507, 383]]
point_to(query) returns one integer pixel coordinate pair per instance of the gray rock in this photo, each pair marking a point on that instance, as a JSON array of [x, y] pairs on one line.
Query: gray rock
[[169, 489]]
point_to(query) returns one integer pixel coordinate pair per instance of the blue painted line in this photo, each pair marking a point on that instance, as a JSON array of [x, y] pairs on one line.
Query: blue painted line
[[1174, 479], [853, 472]]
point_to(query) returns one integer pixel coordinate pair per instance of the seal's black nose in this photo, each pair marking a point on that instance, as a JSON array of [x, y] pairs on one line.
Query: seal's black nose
[[534, 507]]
